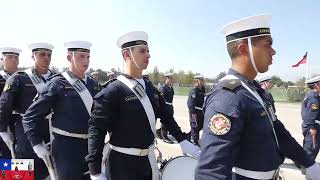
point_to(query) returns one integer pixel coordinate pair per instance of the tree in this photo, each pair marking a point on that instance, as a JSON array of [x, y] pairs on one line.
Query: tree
[[290, 83], [54, 69], [277, 81], [219, 76], [155, 76], [301, 82], [189, 78], [179, 78]]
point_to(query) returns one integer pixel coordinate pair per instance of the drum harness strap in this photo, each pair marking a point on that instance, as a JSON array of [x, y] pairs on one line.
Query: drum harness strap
[[4, 74]]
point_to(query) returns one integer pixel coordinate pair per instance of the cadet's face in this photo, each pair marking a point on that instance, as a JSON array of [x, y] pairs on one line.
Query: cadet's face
[[95, 76], [42, 58], [262, 53], [318, 87], [10, 61], [201, 82], [169, 80], [141, 56], [81, 61], [269, 84]]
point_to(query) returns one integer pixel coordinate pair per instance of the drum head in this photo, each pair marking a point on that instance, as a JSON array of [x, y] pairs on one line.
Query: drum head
[[181, 167]]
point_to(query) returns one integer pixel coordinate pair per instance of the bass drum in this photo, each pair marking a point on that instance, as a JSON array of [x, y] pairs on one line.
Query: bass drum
[[181, 167]]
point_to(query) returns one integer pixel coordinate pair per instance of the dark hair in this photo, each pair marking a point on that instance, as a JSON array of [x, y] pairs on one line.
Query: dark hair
[[232, 47], [312, 86], [127, 49]]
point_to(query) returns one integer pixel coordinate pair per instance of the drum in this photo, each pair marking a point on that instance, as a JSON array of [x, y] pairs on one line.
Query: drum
[[181, 167]]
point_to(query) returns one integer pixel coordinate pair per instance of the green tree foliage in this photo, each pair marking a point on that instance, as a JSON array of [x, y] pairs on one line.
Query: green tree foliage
[[219, 76], [155, 76], [277, 81], [301, 82]]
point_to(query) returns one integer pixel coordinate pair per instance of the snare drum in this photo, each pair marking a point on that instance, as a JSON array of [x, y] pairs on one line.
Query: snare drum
[[181, 167]]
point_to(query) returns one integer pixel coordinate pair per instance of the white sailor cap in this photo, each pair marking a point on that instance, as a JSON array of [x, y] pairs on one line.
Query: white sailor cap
[[263, 79], [79, 46], [252, 26], [110, 73], [168, 74], [10, 50], [313, 80], [40, 47], [198, 76], [94, 73], [131, 39], [145, 74]]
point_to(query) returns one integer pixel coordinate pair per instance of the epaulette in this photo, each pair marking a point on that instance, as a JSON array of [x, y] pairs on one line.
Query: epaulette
[[154, 87], [21, 72], [54, 75], [108, 82], [146, 79], [231, 84]]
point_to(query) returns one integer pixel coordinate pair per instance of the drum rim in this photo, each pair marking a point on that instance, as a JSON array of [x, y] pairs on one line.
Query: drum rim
[[171, 159]]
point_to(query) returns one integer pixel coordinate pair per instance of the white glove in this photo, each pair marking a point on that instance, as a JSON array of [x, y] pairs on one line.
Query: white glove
[[98, 177], [313, 172], [41, 151], [7, 138], [190, 149]]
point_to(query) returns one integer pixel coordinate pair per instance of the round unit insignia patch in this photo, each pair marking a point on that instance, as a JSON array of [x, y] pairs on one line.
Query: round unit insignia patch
[[219, 124], [314, 106]]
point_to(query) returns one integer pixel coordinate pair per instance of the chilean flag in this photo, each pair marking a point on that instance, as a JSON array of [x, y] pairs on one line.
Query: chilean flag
[[302, 61], [16, 169]]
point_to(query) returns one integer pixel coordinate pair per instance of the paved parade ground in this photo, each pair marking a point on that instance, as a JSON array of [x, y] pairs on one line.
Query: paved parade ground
[[288, 113]]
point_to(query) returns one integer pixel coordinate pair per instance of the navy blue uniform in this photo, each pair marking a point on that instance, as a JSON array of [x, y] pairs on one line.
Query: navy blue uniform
[[70, 115], [167, 92], [195, 103], [4, 150], [238, 133], [18, 94], [311, 119], [117, 110]]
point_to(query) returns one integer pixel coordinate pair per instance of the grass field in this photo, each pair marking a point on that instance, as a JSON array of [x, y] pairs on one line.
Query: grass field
[[181, 91], [279, 94]]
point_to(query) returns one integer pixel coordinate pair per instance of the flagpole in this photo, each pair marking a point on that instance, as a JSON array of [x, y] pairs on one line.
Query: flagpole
[[307, 69]]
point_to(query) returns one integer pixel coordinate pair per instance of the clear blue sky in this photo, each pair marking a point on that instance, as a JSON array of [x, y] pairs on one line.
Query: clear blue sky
[[184, 34]]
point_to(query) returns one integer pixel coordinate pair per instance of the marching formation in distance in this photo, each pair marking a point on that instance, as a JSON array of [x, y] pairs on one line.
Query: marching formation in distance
[[61, 120]]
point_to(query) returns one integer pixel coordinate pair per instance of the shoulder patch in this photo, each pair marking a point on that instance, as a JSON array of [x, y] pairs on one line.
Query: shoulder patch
[[231, 84], [314, 106], [219, 124]]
